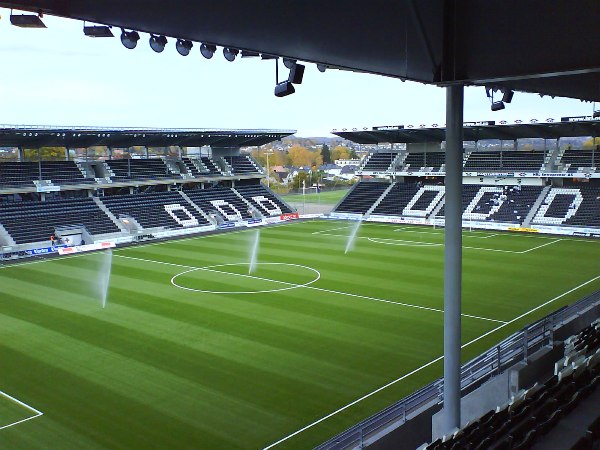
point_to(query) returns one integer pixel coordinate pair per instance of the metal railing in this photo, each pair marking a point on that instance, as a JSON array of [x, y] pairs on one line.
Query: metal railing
[[512, 350]]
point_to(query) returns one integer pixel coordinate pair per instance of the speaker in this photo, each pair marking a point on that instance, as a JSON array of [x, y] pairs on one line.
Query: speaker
[[284, 88], [296, 74]]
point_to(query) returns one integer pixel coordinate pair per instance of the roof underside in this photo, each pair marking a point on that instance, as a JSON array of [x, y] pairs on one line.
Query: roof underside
[[36, 137], [549, 48], [476, 132]]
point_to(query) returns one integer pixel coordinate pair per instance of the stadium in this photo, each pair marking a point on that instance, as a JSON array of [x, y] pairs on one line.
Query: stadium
[[172, 299]]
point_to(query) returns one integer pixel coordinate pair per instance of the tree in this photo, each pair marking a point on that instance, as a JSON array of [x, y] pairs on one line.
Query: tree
[[326, 154], [300, 156], [340, 152], [299, 178], [591, 142], [45, 153]]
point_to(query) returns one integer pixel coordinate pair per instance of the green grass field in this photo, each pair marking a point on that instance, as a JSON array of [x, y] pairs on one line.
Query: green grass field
[[193, 352], [324, 197]]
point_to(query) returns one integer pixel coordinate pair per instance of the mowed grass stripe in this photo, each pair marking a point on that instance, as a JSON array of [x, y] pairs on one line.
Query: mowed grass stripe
[[316, 351]]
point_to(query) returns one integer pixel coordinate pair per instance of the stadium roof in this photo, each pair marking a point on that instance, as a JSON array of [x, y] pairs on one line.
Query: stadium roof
[[474, 132], [548, 48], [83, 137]]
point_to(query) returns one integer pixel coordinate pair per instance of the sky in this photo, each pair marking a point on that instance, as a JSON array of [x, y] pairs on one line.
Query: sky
[[58, 76]]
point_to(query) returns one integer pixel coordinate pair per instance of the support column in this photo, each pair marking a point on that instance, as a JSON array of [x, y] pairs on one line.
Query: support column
[[453, 255], [67, 155], [20, 154]]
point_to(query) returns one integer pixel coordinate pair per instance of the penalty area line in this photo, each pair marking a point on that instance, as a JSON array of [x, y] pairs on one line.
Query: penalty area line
[[37, 412], [418, 369]]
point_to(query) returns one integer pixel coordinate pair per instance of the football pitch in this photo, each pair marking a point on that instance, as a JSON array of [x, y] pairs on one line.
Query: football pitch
[[194, 352]]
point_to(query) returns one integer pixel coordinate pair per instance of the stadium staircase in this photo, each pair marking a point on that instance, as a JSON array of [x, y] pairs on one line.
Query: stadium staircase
[[535, 207], [5, 238], [198, 209], [222, 165], [112, 217], [379, 200]]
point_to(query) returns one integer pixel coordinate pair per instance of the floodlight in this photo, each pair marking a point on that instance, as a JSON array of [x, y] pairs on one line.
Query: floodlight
[[230, 53], [507, 96], [284, 88], [129, 39], [183, 47], [289, 63], [596, 114], [296, 74], [27, 21], [157, 43], [321, 67], [98, 31], [208, 50], [497, 106]]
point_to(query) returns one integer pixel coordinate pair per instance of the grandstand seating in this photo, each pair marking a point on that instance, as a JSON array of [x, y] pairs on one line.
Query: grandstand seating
[[157, 209], [35, 221], [424, 161], [380, 161], [23, 173], [362, 197], [572, 160], [498, 161], [139, 169], [224, 201], [210, 165], [532, 413], [190, 167], [257, 193], [397, 199], [571, 206], [241, 164]]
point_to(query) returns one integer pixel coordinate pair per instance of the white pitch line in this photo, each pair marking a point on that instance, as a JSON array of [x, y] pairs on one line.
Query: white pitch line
[[418, 369], [540, 246], [25, 405], [375, 299]]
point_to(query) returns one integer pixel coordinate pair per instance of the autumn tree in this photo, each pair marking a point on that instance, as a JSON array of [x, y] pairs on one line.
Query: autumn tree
[[300, 156], [591, 142], [340, 152]]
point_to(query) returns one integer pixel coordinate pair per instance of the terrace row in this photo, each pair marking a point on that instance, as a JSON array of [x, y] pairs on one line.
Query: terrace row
[[27, 222]]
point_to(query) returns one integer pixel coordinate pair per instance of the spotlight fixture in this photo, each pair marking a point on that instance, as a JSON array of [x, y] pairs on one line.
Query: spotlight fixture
[[322, 67], [284, 88], [157, 43], [97, 31], [129, 39], [230, 53], [208, 50], [497, 106], [507, 96], [27, 21], [596, 114], [296, 74], [183, 47], [289, 63]]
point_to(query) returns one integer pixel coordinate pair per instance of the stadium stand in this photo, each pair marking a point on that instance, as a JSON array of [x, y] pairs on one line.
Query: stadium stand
[[157, 209], [380, 161], [361, 198], [424, 161], [241, 164], [23, 173], [396, 200], [210, 166], [222, 201], [267, 203], [139, 169], [575, 206], [532, 413], [573, 160], [191, 167], [498, 161], [35, 221]]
